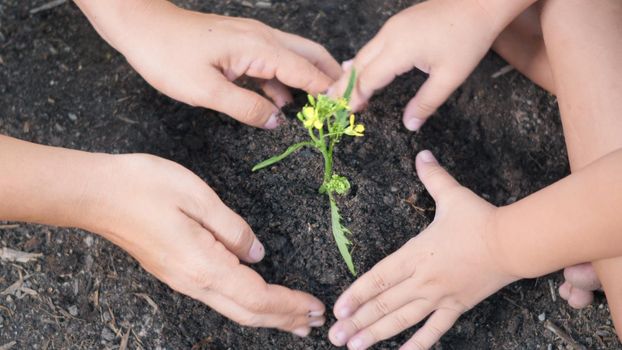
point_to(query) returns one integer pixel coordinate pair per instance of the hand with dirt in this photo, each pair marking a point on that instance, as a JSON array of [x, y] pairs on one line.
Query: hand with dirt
[[195, 57], [443, 38], [164, 216], [443, 272]]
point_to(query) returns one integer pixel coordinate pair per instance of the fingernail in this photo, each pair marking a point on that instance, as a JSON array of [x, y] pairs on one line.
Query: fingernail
[[283, 103], [302, 331], [356, 344], [317, 323], [345, 65], [315, 313], [427, 157], [412, 123], [341, 338], [342, 312], [330, 91], [277, 118], [257, 251]]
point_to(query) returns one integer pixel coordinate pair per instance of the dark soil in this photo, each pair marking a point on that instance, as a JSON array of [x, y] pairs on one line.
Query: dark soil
[[62, 85]]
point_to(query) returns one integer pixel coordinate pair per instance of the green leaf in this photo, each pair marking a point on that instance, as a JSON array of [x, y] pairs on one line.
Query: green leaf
[[291, 149], [350, 87], [340, 233]]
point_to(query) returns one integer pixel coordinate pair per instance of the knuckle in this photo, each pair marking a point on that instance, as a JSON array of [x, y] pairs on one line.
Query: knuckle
[[378, 281], [400, 321], [249, 320], [243, 237], [253, 114], [415, 344], [426, 107], [381, 306], [202, 278], [356, 323], [257, 304]]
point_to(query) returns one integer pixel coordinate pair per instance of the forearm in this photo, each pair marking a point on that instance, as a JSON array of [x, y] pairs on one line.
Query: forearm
[[574, 220], [116, 20], [48, 185]]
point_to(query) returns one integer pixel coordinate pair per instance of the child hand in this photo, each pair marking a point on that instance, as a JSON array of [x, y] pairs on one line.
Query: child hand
[[195, 57], [443, 38], [443, 272], [182, 233]]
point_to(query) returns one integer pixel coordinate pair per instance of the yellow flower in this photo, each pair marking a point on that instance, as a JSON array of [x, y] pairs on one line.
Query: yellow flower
[[310, 116], [354, 130], [318, 124]]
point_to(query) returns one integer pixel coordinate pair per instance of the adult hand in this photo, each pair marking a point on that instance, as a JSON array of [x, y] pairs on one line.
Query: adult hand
[[194, 57], [182, 233]]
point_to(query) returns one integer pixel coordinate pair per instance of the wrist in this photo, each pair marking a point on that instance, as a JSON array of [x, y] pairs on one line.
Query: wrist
[[500, 13]]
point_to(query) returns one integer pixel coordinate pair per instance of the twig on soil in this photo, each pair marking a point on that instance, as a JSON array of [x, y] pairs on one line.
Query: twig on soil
[[149, 301], [563, 335], [125, 339], [503, 71], [552, 289], [8, 226], [47, 6], [8, 254], [7, 346]]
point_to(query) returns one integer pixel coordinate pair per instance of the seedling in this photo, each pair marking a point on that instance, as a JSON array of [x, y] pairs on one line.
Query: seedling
[[327, 120]]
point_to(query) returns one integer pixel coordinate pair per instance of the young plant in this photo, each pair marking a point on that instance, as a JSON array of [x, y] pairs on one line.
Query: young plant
[[327, 120]]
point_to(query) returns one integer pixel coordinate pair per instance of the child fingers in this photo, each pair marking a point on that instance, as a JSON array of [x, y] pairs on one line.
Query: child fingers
[[277, 92], [386, 274], [314, 52], [437, 325], [244, 105], [390, 325], [431, 95], [377, 74], [359, 62], [433, 176], [372, 311]]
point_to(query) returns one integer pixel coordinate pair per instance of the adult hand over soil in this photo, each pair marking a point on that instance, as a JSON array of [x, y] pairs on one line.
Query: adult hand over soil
[[164, 216], [443, 38], [444, 271], [182, 233], [195, 57]]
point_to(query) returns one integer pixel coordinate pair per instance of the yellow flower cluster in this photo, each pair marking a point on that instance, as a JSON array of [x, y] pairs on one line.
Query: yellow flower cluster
[[354, 130]]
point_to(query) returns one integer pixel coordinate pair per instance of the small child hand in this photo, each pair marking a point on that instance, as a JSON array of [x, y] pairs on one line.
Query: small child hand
[[443, 38], [182, 233], [443, 272], [194, 57]]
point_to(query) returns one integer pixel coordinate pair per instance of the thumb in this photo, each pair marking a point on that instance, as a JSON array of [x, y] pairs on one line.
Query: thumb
[[434, 177], [431, 95]]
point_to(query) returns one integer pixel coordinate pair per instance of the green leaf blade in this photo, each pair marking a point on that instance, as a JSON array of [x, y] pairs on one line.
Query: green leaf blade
[[340, 233], [348, 93], [291, 149]]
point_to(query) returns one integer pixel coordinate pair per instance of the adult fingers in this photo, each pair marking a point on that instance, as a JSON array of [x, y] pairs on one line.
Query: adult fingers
[[431, 95], [386, 274], [437, 325], [434, 177], [227, 226], [278, 92], [290, 69], [299, 325], [372, 311], [244, 105], [392, 324], [312, 51], [248, 289]]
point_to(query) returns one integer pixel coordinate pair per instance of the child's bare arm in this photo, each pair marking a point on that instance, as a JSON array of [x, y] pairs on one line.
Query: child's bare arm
[[194, 57], [444, 38], [472, 249], [163, 215]]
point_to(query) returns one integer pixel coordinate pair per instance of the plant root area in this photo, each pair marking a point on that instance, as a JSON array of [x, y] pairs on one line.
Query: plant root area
[[62, 85]]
